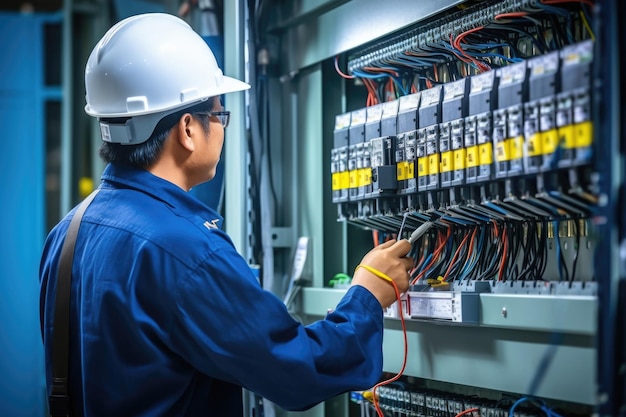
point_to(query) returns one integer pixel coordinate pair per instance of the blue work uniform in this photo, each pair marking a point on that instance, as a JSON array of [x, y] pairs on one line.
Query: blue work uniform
[[166, 318]]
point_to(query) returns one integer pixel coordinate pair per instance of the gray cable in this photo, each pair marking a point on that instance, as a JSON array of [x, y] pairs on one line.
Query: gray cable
[[419, 232]]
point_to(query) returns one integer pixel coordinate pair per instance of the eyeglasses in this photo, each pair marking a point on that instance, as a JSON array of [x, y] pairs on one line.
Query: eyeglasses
[[224, 116]]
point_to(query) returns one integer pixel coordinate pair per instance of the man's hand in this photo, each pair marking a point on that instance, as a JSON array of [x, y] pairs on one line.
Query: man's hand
[[390, 259]]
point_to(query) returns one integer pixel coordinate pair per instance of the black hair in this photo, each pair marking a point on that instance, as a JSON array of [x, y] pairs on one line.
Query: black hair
[[147, 153]]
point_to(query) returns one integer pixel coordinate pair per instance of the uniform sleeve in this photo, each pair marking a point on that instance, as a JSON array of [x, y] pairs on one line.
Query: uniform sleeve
[[229, 328]]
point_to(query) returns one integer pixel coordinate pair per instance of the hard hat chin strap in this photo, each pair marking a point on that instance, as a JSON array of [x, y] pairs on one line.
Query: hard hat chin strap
[[130, 130], [138, 129], [118, 133]]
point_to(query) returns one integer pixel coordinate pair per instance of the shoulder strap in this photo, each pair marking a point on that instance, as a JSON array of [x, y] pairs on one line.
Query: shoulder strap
[[59, 398]]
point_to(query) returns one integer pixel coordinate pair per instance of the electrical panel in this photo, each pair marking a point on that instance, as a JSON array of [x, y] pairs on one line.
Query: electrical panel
[[481, 122], [493, 136], [496, 122]]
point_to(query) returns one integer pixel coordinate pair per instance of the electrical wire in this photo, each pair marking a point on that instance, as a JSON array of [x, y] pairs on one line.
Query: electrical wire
[[468, 411], [537, 403], [343, 75], [587, 26], [406, 350], [576, 249], [508, 37]]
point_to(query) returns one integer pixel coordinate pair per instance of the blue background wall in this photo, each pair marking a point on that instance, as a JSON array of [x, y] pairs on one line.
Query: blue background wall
[[22, 95]]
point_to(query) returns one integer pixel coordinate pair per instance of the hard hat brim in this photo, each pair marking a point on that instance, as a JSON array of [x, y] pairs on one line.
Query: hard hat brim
[[228, 85]]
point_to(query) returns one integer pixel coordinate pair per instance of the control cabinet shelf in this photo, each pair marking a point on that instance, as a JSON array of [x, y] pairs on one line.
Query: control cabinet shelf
[[503, 351]]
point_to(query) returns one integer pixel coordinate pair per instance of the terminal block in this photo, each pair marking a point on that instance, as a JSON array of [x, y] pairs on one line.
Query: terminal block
[[429, 119], [477, 135], [508, 140], [573, 112], [339, 164], [541, 138], [451, 144], [406, 144], [356, 139]]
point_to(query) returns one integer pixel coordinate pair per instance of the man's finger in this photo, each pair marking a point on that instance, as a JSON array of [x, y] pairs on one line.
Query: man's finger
[[401, 247]]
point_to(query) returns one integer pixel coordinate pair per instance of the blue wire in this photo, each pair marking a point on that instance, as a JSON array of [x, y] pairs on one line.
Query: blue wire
[[496, 208], [426, 261], [367, 75], [553, 10], [549, 412], [398, 82], [411, 61], [470, 266], [489, 55], [516, 403]]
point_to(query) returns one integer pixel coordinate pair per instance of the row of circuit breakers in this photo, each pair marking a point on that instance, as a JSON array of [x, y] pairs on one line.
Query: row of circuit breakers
[[526, 118]]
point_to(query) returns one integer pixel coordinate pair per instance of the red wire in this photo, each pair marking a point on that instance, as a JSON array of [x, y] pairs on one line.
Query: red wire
[[456, 253], [504, 252], [442, 244], [457, 45], [371, 92], [339, 71], [386, 70], [461, 57], [515, 14], [464, 412], [406, 353]]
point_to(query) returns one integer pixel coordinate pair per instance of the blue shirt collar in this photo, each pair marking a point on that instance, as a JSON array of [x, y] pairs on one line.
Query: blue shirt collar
[[125, 176]]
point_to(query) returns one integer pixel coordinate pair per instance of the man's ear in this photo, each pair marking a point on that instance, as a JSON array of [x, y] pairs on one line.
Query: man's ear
[[184, 130]]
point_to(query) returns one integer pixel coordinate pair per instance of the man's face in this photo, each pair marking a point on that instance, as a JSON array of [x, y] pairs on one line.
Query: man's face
[[209, 147]]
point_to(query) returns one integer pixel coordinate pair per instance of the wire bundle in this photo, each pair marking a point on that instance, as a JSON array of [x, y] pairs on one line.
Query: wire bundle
[[501, 250], [470, 42]]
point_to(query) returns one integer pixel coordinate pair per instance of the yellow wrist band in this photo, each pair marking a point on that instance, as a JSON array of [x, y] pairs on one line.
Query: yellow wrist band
[[374, 271]]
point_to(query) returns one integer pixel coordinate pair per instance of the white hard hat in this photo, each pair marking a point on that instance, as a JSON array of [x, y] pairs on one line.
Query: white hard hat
[[146, 67]]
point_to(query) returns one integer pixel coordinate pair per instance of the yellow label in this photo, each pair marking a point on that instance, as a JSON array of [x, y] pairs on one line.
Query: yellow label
[[485, 154], [336, 177], [516, 147], [433, 164], [584, 134], [367, 176], [401, 168], [549, 141], [410, 170], [422, 166], [472, 156], [502, 151], [354, 178], [533, 145], [446, 161], [567, 136], [344, 180], [459, 159]]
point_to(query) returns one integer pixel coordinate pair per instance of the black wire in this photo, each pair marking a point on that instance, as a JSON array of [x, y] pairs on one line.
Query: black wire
[[562, 264], [484, 254], [542, 250], [557, 30], [492, 256], [573, 277], [527, 245], [477, 249]]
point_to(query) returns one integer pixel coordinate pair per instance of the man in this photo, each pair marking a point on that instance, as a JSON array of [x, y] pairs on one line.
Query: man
[[166, 319]]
